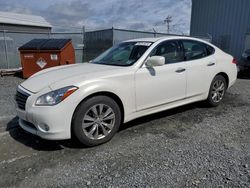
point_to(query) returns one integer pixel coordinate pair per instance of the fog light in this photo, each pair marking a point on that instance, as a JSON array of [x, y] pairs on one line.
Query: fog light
[[43, 127]]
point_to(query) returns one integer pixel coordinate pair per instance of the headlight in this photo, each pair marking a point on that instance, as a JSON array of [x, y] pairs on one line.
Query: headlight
[[55, 97]]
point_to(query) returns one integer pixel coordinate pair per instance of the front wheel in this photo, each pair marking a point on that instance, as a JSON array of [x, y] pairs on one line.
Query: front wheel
[[217, 91], [96, 120]]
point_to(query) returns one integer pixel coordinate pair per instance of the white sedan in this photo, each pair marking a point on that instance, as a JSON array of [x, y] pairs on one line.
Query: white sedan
[[132, 79]]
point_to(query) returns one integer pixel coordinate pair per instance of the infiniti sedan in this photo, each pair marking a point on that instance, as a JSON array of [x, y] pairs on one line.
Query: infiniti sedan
[[135, 78]]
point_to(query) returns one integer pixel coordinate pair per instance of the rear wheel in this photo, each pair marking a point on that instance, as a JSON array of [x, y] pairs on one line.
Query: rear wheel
[[96, 120], [217, 91]]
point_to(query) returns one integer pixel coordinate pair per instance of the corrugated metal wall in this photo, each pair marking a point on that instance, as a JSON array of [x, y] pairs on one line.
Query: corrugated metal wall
[[247, 41], [226, 20], [97, 42]]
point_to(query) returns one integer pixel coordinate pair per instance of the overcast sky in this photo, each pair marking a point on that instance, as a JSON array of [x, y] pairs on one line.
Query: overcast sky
[[98, 14]]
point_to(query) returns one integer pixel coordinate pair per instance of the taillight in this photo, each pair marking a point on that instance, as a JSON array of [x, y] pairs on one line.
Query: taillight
[[234, 61]]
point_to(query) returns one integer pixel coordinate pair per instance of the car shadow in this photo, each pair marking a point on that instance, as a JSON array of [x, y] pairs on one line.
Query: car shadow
[[40, 144], [35, 142], [162, 114]]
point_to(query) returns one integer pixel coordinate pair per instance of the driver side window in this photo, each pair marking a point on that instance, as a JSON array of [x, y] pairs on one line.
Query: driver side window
[[171, 50]]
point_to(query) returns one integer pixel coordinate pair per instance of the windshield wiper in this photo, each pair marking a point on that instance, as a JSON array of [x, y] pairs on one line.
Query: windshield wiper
[[111, 63]]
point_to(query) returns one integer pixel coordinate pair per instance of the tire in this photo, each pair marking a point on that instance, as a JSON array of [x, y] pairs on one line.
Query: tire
[[217, 92], [96, 120]]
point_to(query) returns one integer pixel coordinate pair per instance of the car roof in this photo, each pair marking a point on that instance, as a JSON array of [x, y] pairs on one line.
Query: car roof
[[145, 39], [164, 38]]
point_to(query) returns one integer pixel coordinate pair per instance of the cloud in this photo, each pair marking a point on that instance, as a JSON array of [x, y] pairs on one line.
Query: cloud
[[14, 6], [68, 14], [95, 14]]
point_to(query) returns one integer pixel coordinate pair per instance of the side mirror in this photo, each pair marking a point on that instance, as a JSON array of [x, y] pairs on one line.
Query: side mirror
[[155, 61]]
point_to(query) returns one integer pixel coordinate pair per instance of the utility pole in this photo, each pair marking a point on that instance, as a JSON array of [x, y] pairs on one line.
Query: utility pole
[[154, 32], [168, 20]]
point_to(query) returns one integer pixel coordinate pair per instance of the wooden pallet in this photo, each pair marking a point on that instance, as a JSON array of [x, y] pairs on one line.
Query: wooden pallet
[[10, 72]]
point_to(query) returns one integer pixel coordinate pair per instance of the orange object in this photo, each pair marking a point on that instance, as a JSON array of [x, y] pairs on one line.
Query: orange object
[[39, 54], [69, 92]]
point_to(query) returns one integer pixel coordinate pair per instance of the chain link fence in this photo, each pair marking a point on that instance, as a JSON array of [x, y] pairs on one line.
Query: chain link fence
[[94, 43], [10, 42]]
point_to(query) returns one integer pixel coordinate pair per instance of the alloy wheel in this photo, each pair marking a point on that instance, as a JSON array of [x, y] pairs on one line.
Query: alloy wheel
[[218, 91], [98, 121]]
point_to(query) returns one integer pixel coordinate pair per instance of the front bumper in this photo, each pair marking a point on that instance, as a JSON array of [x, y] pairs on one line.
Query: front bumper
[[31, 128], [57, 131], [48, 122]]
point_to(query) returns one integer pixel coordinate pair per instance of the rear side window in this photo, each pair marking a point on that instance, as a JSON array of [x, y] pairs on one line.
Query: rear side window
[[210, 50], [196, 50], [171, 50]]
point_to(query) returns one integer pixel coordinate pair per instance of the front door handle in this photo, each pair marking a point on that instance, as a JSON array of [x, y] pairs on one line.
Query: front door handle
[[211, 64], [180, 69]]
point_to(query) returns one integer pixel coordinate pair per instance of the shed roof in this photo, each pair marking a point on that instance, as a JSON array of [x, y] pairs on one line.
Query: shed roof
[[23, 19]]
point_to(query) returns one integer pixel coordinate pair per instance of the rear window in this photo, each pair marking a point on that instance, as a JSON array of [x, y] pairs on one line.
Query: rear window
[[196, 50]]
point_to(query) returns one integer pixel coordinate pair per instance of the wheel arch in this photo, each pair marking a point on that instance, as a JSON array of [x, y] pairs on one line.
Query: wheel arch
[[224, 75], [102, 93]]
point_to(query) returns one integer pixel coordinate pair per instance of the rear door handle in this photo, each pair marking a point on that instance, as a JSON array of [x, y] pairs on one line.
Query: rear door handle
[[180, 69], [211, 64]]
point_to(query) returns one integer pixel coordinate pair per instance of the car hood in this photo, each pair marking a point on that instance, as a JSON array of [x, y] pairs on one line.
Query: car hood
[[49, 76]]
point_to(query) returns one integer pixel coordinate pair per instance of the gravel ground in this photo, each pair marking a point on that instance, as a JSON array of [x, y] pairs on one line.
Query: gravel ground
[[190, 146], [7, 103]]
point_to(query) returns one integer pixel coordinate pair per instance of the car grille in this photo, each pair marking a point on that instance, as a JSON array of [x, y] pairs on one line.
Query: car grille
[[21, 98]]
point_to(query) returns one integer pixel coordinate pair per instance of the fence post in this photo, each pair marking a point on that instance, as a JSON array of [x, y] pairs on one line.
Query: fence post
[[6, 49], [84, 44]]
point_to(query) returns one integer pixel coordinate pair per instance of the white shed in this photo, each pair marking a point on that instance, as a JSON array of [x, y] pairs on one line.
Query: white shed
[[23, 22]]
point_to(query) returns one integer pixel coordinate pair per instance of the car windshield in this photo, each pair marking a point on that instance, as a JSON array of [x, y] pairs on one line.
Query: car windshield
[[123, 54]]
